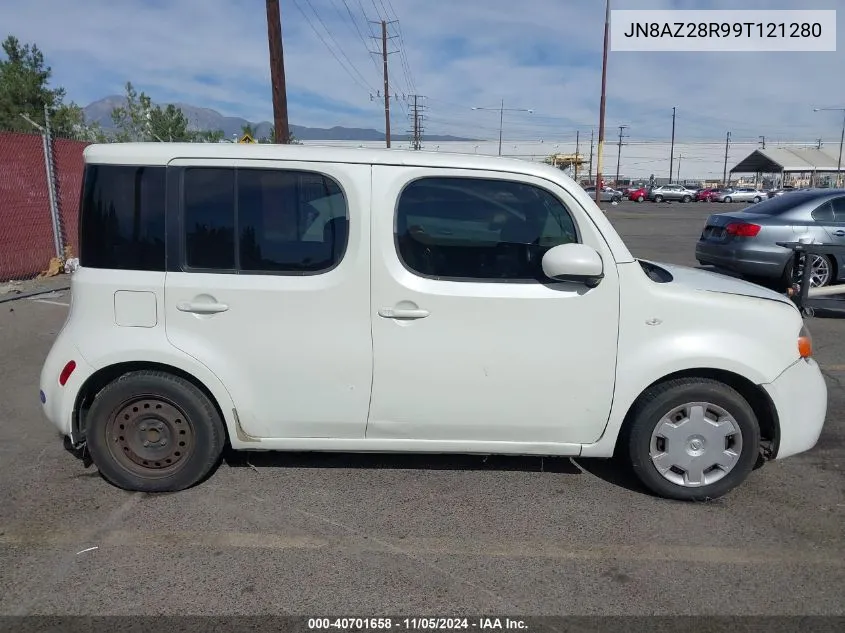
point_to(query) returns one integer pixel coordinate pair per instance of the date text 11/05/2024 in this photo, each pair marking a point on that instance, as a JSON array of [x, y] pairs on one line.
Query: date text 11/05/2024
[[724, 29], [416, 624]]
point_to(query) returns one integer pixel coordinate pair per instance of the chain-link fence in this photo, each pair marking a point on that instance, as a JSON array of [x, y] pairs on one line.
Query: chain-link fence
[[40, 180]]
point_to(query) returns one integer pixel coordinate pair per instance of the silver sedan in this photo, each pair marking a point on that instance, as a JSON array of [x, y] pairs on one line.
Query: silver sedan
[[740, 194]]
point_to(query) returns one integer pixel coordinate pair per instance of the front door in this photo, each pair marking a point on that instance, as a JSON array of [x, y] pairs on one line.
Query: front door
[[471, 342], [268, 286]]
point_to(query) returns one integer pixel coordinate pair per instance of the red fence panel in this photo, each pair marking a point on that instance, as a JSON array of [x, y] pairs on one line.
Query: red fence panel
[[26, 229]]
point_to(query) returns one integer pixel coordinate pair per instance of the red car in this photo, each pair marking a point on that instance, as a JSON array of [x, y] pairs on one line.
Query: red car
[[706, 195], [637, 194]]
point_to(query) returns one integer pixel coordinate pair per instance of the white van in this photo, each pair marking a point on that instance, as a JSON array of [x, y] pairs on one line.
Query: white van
[[320, 299]]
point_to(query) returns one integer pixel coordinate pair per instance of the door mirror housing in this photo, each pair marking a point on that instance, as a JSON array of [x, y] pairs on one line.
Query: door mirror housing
[[578, 263]]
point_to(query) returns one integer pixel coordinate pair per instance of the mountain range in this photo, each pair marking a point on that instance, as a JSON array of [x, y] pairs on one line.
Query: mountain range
[[208, 119]]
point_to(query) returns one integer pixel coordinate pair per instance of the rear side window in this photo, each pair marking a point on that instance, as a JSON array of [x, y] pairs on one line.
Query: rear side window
[[839, 210], [479, 229], [263, 220], [122, 218]]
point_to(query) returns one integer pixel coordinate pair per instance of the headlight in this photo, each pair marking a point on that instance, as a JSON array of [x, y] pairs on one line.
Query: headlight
[[805, 342]]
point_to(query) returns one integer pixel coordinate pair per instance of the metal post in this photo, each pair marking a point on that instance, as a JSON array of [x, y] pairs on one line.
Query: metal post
[[603, 102], [49, 166], [672, 150], [501, 122], [386, 83], [839, 162]]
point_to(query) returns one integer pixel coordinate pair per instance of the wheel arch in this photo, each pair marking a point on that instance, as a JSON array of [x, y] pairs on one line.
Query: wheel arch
[[757, 397], [108, 374]]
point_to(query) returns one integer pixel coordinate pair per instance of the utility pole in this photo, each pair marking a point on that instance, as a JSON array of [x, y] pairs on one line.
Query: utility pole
[[281, 131], [619, 153], [818, 143], [762, 141], [502, 110], [603, 99], [416, 118], [672, 151], [841, 142], [590, 168], [725, 172], [680, 156], [386, 83], [577, 146]]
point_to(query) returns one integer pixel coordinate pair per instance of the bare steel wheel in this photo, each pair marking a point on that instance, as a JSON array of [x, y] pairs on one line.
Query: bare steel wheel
[[696, 444], [821, 271], [150, 436], [692, 438], [153, 431]]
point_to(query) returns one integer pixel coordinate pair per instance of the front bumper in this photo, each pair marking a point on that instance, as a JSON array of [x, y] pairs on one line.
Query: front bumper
[[800, 398]]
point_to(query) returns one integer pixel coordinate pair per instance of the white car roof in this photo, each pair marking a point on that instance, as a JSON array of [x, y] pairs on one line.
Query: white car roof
[[163, 153]]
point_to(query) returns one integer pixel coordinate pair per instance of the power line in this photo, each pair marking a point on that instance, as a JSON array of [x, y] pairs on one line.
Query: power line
[[322, 39], [339, 47]]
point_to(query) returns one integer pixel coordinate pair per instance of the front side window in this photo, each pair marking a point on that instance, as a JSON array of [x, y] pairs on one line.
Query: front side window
[[263, 220], [479, 229], [122, 217]]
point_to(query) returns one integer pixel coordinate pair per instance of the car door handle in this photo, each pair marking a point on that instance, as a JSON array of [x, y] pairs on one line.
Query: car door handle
[[201, 308], [403, 313], [839, 233]]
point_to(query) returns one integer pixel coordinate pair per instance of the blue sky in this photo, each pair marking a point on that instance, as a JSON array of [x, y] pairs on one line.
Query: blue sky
[[539, 54]]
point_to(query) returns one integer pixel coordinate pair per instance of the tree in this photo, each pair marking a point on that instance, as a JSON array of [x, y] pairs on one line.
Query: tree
[[25, 90], [140, 120]]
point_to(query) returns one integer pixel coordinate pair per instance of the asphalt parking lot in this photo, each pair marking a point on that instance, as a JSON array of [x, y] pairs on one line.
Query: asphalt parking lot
[[373, 535]]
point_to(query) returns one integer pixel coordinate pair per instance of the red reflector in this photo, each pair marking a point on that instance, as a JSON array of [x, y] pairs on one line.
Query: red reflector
[[742, 229], [66, 372]]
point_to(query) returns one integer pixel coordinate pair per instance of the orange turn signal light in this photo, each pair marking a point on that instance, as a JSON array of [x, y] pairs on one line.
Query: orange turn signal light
[[805, 346]]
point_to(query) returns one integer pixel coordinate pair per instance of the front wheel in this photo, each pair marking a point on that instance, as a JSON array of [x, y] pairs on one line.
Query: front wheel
[[686, 199], [729, 199], [658, 198], [758, 199], [640, 198], [151, 431], [692, 439]]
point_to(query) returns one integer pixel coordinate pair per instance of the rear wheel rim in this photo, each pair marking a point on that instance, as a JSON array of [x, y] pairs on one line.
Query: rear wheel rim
[[819, 271], [150, 436], [695, 444]]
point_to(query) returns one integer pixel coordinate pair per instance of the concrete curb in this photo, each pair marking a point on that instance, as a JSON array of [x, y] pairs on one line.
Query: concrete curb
[[33, 293]]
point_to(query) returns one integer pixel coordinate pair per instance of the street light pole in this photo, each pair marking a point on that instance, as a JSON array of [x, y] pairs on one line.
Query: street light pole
[[841, 142], [502, 109]]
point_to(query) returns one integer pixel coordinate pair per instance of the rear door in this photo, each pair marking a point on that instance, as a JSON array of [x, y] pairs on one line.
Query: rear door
[[268, 285]]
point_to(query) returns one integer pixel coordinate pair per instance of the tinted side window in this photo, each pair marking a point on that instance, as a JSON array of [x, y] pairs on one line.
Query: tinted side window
[[472, 228], [824, 213], [839, 209], [290, 221], [209, 218], [122, 218]]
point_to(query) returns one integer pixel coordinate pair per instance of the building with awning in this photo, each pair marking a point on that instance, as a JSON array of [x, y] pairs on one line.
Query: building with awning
[[817, 165]]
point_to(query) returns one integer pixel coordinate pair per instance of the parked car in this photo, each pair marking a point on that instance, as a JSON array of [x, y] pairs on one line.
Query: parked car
[[707, 195], [746, 241], [671, 192], [779, 192], [607, 194], [203, 318], [637, 195], [740, 194]]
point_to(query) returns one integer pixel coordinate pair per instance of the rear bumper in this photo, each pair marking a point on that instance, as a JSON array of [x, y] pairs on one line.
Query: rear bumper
[[762, 261], [800, 398]]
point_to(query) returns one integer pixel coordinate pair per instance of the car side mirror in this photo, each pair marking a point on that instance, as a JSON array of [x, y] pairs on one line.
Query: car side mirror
[[578, 263]]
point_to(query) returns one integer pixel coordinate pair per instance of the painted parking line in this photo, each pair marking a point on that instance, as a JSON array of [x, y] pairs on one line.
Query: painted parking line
[[833, 367], [55, 303]]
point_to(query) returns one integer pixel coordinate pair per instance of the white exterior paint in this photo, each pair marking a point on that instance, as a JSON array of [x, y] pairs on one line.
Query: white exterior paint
[[316, 363]]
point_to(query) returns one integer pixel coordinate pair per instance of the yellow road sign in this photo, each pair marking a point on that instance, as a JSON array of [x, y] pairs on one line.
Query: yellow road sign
[[246, 138]]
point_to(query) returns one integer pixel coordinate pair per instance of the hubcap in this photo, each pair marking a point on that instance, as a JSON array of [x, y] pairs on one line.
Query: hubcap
[[696, 444], [150, 436]]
